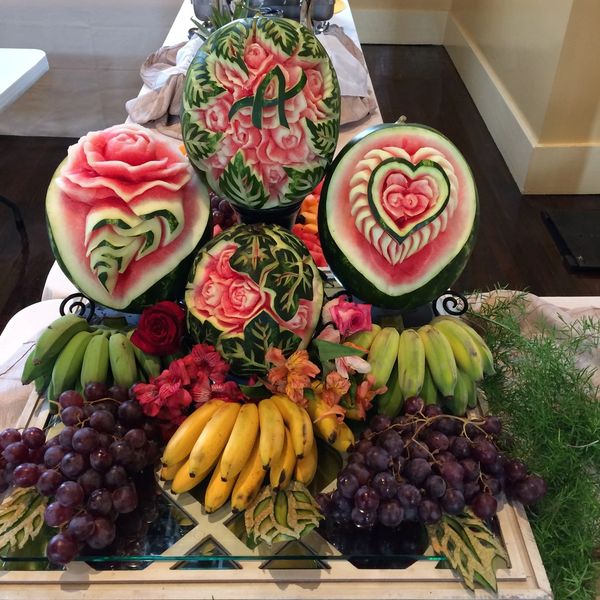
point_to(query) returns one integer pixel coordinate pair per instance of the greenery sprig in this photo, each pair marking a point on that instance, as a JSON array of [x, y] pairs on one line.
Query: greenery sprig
[[551, 411]]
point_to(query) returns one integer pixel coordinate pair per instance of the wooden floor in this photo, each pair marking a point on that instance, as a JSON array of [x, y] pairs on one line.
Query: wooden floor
[[513, 249]]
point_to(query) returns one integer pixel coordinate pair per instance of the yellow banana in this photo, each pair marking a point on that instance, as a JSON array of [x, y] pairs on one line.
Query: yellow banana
[[345, 438], [440, 359], [364, 339], [182, 482], [182, 441], [466, 352], [214, 436], [429, 392], [67, 368], [249, 480], [411, 363], [486, 353], [122, 360], [383, 354], [52, 340], [240, 443], [272, 431], [218, 491], [168, 473], [95, 361], [297, 421], [282, 468], [306, 467], [327, 426]]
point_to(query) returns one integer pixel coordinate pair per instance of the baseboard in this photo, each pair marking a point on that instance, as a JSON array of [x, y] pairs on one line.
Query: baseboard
[[400, 26], [537, 168]]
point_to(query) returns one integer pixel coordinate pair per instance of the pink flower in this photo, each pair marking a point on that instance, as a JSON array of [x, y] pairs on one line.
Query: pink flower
[[257, 59], [228, 391], [315, 86], [123, 161], [229, 75], [209, 362], [225, 297], [215, 116], [344, 365], [404, 198], [283, 146], [348, 317]]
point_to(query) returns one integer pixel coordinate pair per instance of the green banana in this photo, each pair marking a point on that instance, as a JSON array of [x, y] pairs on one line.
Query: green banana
[[457, 404], [67, 368], [486, 353], [51, 396], [53, 339], [472, 401], [411, 363], [364, 339], [383, 354], [95, 361], [390, 402], [429, 392], [122, 360], [149, 364], [440, 359], [466, 351]]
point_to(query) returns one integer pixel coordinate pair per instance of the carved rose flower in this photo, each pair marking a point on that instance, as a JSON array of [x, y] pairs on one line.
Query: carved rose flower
[[404, 198]]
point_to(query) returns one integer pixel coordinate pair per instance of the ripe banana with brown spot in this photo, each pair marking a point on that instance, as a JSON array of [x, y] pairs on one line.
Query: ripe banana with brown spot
[[212, 440], [282, 468], [249, 480], [306, 467], [182, 441], [218, 491], [271, 432], [326, 426], [240, 443], [297, 421]]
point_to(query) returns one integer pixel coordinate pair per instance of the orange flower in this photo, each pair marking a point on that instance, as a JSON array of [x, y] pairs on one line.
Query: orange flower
[[290, 376], [335, 387], [365, 394]]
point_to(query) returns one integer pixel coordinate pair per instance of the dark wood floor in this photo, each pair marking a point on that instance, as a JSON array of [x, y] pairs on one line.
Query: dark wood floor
[[514, 248]]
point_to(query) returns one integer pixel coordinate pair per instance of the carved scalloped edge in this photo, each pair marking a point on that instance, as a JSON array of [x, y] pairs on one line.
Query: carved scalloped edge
[[393, 251]]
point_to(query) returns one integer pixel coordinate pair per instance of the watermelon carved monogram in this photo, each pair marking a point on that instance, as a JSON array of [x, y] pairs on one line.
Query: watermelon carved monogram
[[399, 202], [261, 111]]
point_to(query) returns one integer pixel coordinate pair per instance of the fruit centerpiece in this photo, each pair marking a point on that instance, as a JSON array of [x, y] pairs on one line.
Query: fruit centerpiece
[[261, 111]]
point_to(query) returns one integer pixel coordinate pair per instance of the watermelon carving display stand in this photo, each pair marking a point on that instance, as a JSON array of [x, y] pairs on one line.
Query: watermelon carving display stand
[[260, 115], [398, 215], [125, 215], [251, 288]]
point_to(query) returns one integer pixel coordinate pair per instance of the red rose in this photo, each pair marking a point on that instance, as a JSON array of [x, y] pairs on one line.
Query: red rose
[[160, 328], [348, 317]]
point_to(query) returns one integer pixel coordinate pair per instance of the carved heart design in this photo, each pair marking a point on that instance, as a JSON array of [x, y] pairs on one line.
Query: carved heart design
[[406, 197]]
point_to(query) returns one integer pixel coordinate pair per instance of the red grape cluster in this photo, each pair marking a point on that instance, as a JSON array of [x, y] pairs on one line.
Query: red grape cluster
[[424, 463], [222, 212], [86, 470]]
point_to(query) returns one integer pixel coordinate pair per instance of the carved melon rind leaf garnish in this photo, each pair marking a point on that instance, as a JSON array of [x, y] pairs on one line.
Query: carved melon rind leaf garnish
[[470, 547], [21, 518], [281, 516]]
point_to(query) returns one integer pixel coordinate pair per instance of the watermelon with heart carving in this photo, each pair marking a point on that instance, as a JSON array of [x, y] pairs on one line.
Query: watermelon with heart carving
[[261, 112], [398, 215], [125, 213]]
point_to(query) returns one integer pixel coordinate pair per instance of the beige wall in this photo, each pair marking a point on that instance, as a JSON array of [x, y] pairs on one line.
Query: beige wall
[[522, 41], [401, 4]]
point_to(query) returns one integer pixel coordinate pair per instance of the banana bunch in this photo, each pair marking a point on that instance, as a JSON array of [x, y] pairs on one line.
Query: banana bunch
[[70, 353], [441, 362], [241, 444]]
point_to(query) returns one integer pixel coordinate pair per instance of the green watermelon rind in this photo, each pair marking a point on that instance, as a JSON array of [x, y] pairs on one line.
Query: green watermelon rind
[[351, 277]]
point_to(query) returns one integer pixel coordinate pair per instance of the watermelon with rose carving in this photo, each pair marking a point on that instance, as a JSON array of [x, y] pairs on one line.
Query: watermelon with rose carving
[[125, 214], [398, 215], [261, 112], [251, 288]]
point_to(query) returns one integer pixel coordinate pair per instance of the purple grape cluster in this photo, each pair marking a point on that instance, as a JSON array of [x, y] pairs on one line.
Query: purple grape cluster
[[222, 212], [86, 470], [423, 464]]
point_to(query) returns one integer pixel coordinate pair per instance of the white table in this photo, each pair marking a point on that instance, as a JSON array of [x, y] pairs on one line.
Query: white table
[[20, 68]]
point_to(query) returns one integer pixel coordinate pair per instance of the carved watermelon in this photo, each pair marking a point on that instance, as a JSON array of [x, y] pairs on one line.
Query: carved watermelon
[[398, 215], [251, 288], [261, 112], [125, 214]]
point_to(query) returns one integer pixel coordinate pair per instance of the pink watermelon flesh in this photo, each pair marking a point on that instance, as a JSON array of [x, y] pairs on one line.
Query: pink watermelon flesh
[[392, 284], [171, 211]]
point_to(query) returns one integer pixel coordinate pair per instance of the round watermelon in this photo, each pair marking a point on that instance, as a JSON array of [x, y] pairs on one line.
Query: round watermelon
[[251, 288], [398, 215], [261, 112], [125, 215]]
